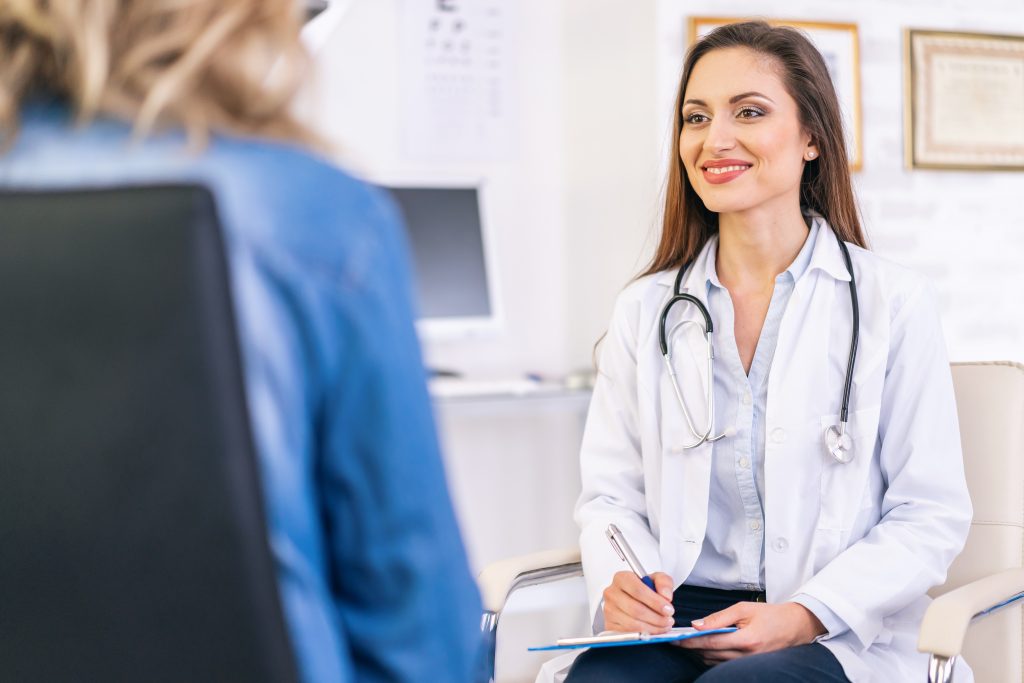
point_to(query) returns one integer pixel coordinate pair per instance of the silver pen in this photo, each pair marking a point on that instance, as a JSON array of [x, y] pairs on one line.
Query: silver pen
[[627, 555]]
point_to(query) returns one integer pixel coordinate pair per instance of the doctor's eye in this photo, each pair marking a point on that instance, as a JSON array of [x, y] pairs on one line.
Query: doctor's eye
[[695, 118], [750, 113]]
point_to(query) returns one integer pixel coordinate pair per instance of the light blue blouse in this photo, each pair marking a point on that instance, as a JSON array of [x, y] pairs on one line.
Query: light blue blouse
[[732, 555]]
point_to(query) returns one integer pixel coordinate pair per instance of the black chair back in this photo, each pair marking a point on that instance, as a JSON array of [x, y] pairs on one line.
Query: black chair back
[[133, 542]]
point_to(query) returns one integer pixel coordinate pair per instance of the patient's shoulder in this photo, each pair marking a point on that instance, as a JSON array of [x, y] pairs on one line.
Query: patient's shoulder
[[294, 198]]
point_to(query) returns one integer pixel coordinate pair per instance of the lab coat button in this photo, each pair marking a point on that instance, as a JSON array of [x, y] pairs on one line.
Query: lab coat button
[[778, 435], [780, 545]]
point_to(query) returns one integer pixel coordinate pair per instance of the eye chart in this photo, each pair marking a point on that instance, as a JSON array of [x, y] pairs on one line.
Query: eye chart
[[456, 79]]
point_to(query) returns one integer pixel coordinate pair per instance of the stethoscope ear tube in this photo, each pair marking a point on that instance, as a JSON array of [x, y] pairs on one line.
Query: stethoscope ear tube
[[663, 321]]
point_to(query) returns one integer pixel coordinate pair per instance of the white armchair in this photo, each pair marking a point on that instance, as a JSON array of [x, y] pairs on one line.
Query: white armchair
[[977, 612], [990, 570]]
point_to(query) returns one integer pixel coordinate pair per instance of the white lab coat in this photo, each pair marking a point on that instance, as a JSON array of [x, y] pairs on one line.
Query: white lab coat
[[868, 538]]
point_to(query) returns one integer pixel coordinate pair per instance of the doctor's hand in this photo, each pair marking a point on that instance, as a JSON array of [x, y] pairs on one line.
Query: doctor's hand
[[763, 628], [629, 605]]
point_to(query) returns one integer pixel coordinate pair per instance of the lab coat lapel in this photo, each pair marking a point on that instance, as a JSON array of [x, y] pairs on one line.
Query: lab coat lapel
[[810, 351], [686, 474], [802, 370]]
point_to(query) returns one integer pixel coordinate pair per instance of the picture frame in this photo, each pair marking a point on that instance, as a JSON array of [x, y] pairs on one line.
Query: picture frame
[[963, 101], [839, 44]]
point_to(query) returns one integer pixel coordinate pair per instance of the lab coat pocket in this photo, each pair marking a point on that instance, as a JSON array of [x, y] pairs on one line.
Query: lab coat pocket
[[844, 485]]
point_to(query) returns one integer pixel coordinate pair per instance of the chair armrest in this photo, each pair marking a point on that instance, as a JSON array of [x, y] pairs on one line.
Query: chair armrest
[[499, 579], [945, 623]]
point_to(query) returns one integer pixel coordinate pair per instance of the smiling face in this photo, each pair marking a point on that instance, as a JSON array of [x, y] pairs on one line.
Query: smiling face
[[741, 141]]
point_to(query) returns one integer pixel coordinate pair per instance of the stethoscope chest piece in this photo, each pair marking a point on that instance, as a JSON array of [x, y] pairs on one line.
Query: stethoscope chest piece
[[839, 444]]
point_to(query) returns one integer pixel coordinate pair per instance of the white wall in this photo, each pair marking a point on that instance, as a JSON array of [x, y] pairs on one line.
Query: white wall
[[612, 148]]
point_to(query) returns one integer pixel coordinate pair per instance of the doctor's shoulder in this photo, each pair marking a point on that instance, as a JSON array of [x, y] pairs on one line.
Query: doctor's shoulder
[[640, 297], [890, 285], [631, 317], [644, 288]]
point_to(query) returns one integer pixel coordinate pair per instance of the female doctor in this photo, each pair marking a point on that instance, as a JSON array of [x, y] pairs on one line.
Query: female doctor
[[753, 496]]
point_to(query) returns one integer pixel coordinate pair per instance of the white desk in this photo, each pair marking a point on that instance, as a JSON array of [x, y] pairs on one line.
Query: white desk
[[512, 460]]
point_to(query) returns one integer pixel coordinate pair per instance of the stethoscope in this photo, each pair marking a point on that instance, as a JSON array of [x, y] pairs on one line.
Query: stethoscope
[[838, 441]]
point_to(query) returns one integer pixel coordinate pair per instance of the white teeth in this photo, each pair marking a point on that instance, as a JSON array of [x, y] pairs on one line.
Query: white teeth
[[725, 169]]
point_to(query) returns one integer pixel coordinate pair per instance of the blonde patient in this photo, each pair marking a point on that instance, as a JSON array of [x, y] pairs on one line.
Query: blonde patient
[[372, 574]]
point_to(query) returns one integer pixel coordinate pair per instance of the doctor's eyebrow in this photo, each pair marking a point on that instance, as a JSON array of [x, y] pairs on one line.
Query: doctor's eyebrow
[[732, 100]]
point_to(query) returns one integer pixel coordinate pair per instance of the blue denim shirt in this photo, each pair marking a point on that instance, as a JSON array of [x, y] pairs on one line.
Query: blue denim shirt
[[372, 572]]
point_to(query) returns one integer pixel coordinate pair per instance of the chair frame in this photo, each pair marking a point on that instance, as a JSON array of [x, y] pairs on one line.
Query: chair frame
[[945, 623], [499, 580]]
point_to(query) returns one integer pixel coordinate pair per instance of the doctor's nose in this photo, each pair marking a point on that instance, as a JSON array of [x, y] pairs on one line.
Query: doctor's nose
[[720, 136]]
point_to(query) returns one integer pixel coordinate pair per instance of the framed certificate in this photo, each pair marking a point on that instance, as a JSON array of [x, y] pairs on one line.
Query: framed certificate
[[839, 44], [963, 101]]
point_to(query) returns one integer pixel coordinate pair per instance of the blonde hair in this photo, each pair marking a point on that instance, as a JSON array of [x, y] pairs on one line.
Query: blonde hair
[[205, 65]]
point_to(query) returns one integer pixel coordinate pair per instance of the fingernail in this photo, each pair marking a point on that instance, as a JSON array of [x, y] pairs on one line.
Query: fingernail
[[669, 610], [697, 622]]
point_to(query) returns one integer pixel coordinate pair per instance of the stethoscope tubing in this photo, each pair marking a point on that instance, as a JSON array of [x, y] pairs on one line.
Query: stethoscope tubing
[[709, 327], [844, 412], [839, 444]]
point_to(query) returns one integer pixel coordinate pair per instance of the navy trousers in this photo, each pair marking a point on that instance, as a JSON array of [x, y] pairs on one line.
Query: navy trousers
[[667, 663]]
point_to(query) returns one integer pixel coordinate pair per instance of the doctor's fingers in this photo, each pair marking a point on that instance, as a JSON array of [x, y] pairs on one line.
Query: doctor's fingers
[[720, 642], [634, 617], [664, 584], [734, 615], [628, 583], [622, 612], [746, 641]]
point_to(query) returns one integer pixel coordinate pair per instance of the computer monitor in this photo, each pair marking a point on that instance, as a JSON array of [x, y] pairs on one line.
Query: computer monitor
[[313, 8], [322, 20], [453, 283]]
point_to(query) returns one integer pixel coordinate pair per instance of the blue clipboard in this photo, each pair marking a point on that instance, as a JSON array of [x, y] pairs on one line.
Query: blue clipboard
[[627, 639]]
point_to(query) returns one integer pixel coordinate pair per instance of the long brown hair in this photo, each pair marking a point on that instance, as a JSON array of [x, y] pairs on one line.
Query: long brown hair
[[825, 186], [229, 65]]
